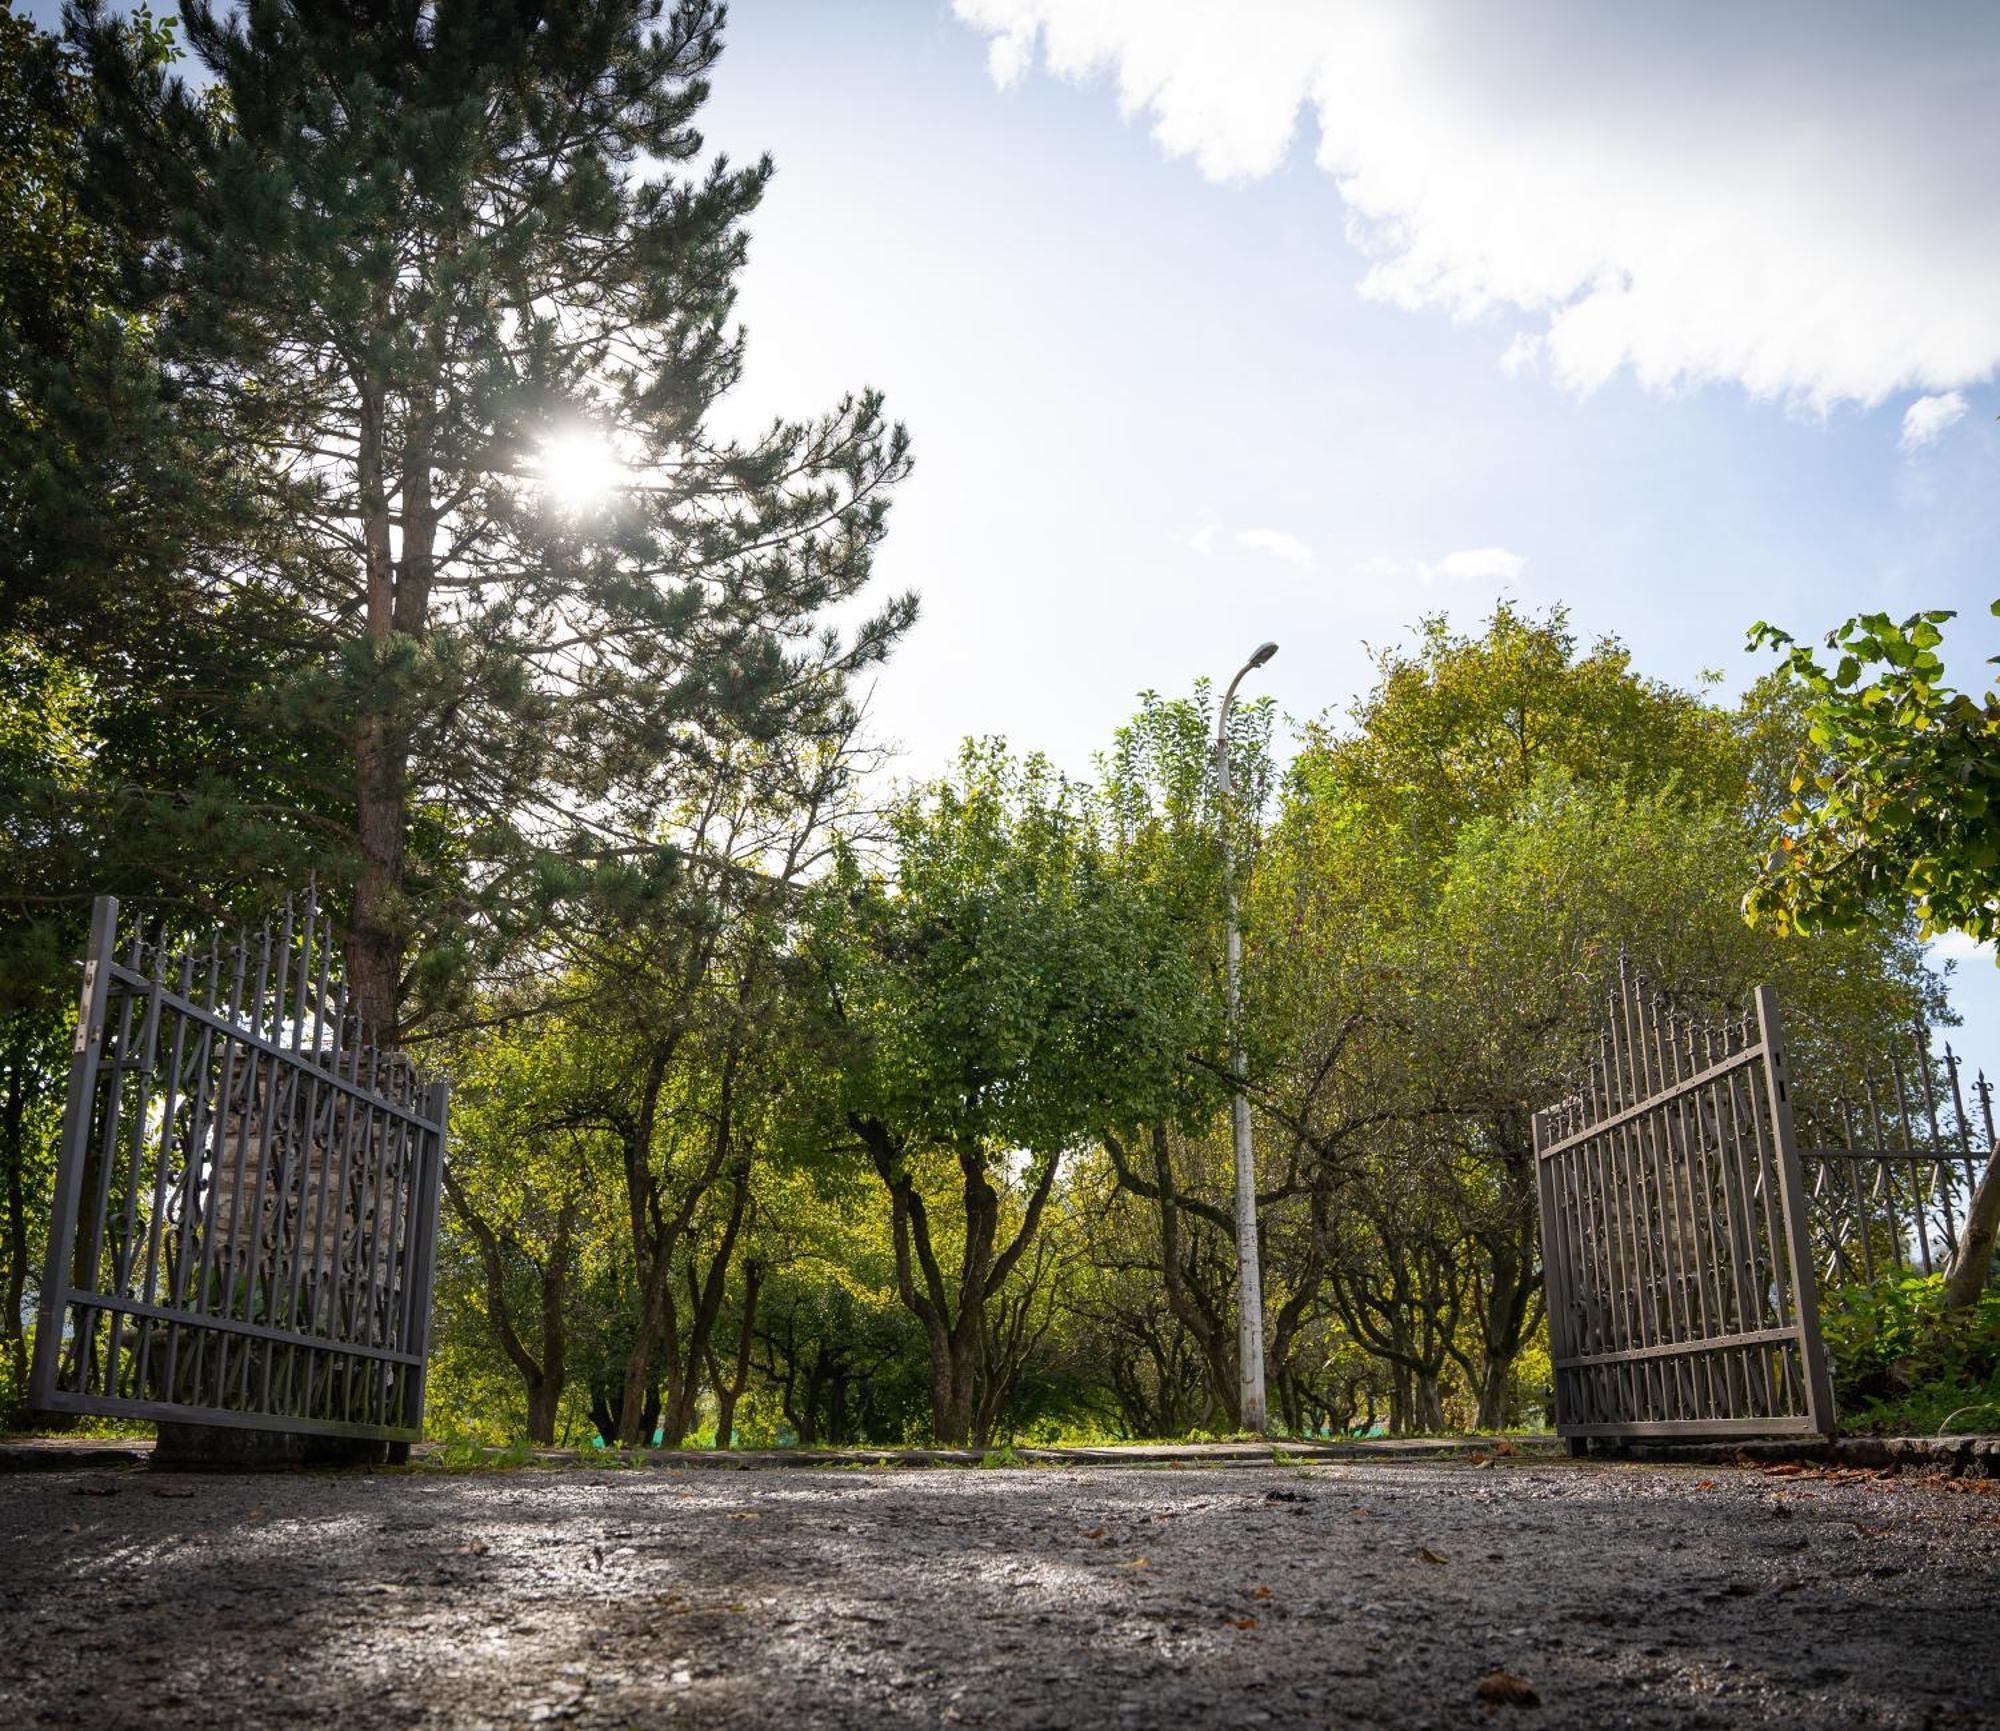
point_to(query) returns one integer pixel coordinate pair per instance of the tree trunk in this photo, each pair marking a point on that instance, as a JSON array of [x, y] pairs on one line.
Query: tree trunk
[[381, 816], [707, 1298], [638, 1403], [727, 1394], [1429, 1413], [604, 1415], [1216, 1342], [1971, 1263], [544, 1404]]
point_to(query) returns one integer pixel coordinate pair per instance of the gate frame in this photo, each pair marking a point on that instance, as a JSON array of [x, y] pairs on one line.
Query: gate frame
[[1653, 1094], [58, 1295]]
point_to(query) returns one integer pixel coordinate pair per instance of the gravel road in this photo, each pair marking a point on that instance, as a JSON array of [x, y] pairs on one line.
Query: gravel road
[[1607, 1595]]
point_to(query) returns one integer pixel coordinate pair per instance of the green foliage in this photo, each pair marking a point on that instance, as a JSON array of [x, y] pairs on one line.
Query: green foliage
[[392, 257], [1005, 992], [1896, 793], [468, 1454], [1903, 1362]]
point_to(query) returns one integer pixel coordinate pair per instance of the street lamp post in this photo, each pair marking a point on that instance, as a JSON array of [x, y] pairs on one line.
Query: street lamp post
[[1249, 1276]]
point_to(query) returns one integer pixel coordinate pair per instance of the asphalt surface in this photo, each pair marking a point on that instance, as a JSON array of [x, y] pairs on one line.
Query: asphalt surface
[[1392, 1594]]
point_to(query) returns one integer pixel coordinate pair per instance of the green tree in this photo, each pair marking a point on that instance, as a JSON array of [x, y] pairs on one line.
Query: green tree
[[1456, 871], [986, 1012], [412, 255], [1894, 799], [139, 754], [1895, 791], [526, 1183]]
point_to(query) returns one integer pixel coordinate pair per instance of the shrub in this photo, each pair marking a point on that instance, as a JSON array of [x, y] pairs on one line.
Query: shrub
[[1901, 1361]]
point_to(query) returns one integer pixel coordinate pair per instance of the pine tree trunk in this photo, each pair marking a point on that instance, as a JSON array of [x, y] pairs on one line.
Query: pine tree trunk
[[374, 951]]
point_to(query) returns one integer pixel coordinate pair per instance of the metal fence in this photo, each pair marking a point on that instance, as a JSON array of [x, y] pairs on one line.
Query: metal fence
[[1891, 1161], [246, 1193], [1681, 1298]]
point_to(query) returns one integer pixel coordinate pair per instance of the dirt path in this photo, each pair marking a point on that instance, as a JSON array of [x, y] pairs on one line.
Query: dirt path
[[1369, 1594]]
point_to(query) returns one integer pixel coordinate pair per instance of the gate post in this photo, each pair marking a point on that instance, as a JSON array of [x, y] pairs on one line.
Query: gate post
[[72, 1152], [1792, 1194]]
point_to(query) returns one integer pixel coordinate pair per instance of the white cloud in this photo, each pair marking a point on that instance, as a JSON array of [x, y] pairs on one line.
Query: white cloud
[[1925, 420], [1203, 539], [1795, 196], [1276, 544], [1961, 947], [1475, 564], [1467, 565]]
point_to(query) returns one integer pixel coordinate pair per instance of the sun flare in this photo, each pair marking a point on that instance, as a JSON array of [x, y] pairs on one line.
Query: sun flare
[[579, 469]]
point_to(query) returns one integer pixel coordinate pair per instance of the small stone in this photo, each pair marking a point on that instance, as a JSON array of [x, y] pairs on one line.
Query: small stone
[[1503, 1689]]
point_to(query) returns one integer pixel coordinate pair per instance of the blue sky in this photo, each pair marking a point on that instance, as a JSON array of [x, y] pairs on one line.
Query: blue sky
[[1159, 416]]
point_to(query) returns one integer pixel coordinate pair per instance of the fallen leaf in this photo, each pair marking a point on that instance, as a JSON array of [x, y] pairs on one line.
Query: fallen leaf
[[1245, 1622], [260, 1513], [474, 1547], [1426, 1555], [1503, 1447], [1135, 1563], [1260, 1593], [1095, 1533], [1706, 1485], [172, 1491], [1477, 1459], [1503, 1688], [745, 1515]]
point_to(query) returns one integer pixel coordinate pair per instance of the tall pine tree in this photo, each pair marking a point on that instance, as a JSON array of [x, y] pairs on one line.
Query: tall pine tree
[[413, 259]]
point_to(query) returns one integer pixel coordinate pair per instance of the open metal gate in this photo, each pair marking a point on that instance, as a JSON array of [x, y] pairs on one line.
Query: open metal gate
[[246, 1194], [1681, 1298]]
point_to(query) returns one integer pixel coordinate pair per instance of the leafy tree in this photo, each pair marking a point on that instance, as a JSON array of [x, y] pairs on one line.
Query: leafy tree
[[1460, 727], [138, 753], [414, 260], [525, 1183], [1456, 873], [1895, 797], [1895, 792], [988, 1011]]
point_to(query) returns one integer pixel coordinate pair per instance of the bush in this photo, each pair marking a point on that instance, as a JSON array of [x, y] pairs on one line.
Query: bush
[[1902, 1362]]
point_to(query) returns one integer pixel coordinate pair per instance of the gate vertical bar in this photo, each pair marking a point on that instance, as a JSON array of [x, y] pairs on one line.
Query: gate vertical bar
[[52, 1304], [1805, 1285]]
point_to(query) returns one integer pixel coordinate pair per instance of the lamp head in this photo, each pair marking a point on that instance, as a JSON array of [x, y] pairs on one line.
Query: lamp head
[[1264, 652]]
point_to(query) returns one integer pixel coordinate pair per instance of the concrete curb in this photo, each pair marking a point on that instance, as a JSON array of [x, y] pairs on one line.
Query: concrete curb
[[1232, 1454], [1973, 1457], [1957, 1456], [61, 1455]]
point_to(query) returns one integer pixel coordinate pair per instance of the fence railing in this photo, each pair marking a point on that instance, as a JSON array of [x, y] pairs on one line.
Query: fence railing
[[1891, 1161], [246, 1193]]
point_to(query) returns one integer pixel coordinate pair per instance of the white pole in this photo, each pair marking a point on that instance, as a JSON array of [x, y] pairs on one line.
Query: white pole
[[1249, 1274]]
